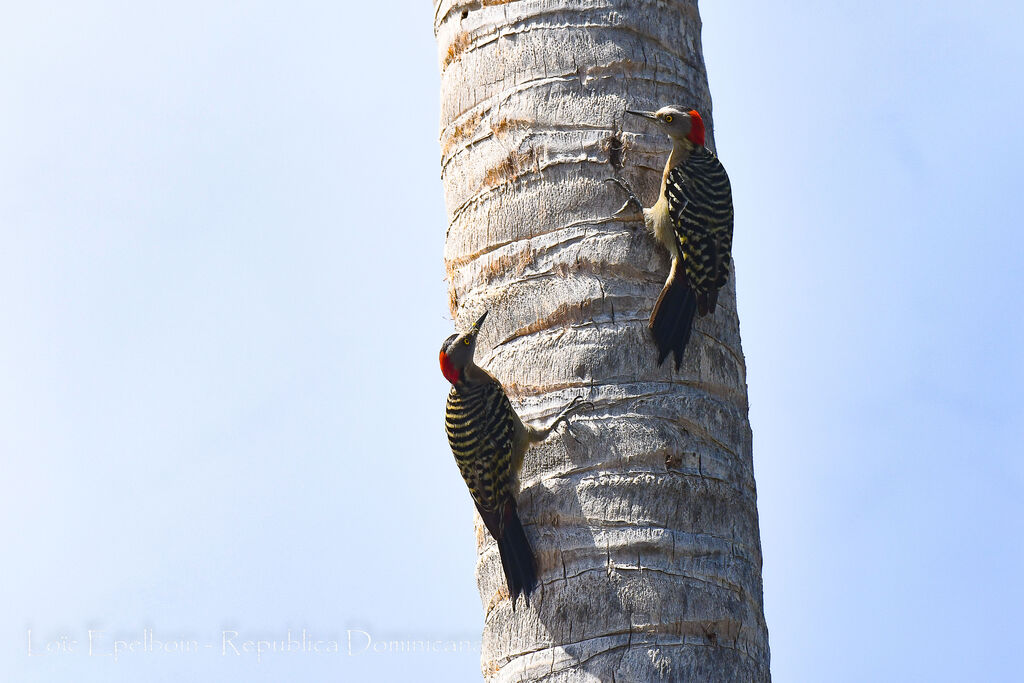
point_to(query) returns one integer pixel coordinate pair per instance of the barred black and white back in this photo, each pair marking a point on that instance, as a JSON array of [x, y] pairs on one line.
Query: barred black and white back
[[699, 204], [481, 426]]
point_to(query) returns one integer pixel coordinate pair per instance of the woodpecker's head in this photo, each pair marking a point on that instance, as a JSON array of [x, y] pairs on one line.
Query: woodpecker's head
[[457, 352], [678, 123]]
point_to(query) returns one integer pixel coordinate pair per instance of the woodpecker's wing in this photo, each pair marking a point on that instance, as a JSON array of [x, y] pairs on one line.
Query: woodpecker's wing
[[700, 204], [481, 426], [480, 423]]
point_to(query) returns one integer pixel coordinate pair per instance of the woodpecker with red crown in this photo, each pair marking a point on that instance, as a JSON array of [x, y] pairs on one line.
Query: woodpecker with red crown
[[693, 218], [489, 441]]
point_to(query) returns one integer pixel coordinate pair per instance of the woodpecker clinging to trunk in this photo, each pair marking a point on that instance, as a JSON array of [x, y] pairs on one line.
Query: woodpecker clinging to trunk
[[489, 441], [693, 219]]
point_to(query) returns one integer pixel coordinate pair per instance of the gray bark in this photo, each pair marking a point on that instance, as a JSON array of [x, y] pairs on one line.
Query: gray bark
[[642, 514]]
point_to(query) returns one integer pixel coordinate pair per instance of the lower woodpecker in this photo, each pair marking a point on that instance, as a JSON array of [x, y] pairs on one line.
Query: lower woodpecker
[[489, 441]]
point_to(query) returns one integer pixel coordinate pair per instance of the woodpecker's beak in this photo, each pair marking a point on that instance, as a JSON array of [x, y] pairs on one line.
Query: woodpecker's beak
[[476, 326], [646, 114]]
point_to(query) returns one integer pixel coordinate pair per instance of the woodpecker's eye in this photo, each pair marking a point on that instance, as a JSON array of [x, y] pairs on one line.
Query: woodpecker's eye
[[466, 341], [668, 118]]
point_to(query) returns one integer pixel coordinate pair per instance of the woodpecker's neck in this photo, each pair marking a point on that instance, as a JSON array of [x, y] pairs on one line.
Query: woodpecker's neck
[[469, 375], [681, 150], [474, 374]]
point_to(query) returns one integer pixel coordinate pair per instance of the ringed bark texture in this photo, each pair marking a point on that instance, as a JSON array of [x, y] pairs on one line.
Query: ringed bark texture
[[643, 513]]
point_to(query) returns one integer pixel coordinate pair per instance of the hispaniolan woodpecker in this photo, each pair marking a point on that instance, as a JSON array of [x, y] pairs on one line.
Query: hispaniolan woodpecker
[[489, 442], [693, 218]]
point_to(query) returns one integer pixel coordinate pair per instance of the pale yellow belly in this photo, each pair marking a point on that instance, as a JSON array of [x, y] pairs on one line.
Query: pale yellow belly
[[660, 224]]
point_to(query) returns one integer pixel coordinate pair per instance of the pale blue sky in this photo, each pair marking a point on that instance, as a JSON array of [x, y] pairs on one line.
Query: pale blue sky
[[201, 346]]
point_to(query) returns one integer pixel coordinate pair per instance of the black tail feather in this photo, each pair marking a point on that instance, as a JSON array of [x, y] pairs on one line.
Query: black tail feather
[[517, 559], [671, 320], [707, 301]]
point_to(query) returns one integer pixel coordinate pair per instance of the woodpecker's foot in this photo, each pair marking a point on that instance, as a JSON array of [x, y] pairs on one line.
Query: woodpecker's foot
[[537, 434], [633, 204], [576, 405]]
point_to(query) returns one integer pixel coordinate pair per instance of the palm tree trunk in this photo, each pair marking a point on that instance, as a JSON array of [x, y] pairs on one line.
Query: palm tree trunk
[[643, 516]]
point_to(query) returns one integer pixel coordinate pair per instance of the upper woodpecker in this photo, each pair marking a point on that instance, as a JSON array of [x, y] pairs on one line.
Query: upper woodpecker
[[693, 219], [489, 441]]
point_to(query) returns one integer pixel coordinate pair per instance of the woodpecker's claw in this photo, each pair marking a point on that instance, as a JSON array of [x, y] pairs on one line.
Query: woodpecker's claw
[[583, 405], [633, 204], [578, 402], [539, 434], [574, 406]]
